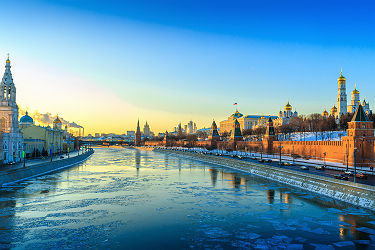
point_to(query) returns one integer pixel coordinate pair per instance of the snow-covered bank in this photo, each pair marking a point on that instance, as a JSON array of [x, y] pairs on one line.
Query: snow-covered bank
[[354, 193]]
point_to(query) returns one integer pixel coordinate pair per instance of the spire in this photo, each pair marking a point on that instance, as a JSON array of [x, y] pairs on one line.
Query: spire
[[360, 115], [138, 128]]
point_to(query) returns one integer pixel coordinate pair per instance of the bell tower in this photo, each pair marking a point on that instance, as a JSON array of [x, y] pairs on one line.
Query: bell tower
[[12, 138], [342, 107]]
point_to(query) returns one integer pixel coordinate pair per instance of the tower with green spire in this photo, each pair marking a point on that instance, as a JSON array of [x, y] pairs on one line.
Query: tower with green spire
[[236, 134]]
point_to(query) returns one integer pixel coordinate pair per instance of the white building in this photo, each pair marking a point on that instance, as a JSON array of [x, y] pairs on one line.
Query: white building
[[11, 137], [342, 107], [285, 116]]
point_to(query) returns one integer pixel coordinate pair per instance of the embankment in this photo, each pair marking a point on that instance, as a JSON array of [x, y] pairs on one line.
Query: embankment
[[354, 193], [19, 174]]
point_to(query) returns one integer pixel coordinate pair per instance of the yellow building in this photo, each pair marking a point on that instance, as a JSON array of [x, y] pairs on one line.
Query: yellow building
[[41, 140], [246, 122]]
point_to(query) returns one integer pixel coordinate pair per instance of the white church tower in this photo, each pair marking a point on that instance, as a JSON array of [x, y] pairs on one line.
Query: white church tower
[[11, 138], [341, 97]]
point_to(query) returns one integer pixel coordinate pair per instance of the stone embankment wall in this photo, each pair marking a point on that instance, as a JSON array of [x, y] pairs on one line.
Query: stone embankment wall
[[19, 174], [353, 193]]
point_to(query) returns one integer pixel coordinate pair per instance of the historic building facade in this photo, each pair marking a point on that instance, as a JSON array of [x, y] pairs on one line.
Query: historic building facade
[[246, 122], [11, 137], [342, 107], [40, 140], [285, 116]]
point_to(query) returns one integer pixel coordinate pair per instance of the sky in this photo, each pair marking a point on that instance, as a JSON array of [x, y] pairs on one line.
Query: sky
[[104, 64]]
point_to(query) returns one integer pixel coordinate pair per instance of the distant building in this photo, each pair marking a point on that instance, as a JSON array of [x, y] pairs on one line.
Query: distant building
[[146, 130], [191, 128], [342, 107], [97, 135], [285, 116], [130, 133], [246, 122], [137, 139]]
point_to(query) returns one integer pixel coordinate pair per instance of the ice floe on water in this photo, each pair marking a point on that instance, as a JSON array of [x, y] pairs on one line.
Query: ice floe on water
[[115, 200]]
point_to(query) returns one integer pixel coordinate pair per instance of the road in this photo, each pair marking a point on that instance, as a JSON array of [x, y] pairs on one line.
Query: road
[[297, 167]]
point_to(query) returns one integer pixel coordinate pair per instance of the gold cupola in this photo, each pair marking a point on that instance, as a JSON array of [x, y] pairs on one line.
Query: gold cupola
[[288, 107], [341, 77], [355, 91]]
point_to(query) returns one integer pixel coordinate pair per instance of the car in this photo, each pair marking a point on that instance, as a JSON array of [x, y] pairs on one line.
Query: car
[[269, 161], [281, 163], [342, 177], [253, 158], [261, 160], [349, 172], [361, 175], [304, 168], [239, 157], [11, 163], [61, 157], [319, 167]]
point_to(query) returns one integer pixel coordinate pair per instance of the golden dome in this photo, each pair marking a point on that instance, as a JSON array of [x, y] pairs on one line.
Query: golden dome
[[288, 107], [355, 91], [341, 77], [325, 113], [57, 120], [334, 109]]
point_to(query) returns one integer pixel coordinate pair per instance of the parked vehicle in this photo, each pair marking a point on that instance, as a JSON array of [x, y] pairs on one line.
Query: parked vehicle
[[281, 163], [349, 172], [304, 168], [269, 161], [319, 167], [361, 175], [261, 160], [61, 157], [342, 177]]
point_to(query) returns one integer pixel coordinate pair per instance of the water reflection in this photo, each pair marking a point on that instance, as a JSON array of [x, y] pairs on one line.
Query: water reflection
[[104, 204]]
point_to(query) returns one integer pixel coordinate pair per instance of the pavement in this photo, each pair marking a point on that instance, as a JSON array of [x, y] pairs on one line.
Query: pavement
[[32, 162]]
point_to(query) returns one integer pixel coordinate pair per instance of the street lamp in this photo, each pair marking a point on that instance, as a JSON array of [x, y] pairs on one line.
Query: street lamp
[[324, 158], [355, 164], [280, 147]]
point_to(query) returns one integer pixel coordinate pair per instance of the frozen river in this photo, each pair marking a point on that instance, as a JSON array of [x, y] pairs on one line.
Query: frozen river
[[125, 198]]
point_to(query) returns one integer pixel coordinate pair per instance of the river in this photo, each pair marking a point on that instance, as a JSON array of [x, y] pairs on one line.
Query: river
[[132, 199]]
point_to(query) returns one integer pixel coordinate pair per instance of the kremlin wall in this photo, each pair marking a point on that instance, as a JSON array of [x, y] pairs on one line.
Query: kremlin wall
[[356, 148]]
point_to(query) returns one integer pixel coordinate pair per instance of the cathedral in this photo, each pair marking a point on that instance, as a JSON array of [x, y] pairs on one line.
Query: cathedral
[[11, 137], [285, 116], [342, 107]]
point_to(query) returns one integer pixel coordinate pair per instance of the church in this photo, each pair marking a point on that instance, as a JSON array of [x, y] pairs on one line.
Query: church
[[11, 136], [342, 105]]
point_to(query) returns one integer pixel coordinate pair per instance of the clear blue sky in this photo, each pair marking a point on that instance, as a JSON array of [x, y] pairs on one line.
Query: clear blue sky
[[171, 61]]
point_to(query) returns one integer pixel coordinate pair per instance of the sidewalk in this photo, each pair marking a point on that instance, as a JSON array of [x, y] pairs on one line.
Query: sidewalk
[[31, 162]]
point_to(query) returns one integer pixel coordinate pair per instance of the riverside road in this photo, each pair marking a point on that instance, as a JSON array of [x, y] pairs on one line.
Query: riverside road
[[327, 172]]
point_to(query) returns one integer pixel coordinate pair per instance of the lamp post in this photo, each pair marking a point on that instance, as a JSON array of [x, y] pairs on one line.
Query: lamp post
[[280, 147], [51, 151], [347, 158], [324, 158], [261, 153], [355, 164], [293, 156]]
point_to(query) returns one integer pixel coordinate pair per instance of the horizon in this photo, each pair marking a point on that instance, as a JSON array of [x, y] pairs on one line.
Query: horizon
[[104, 65]]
